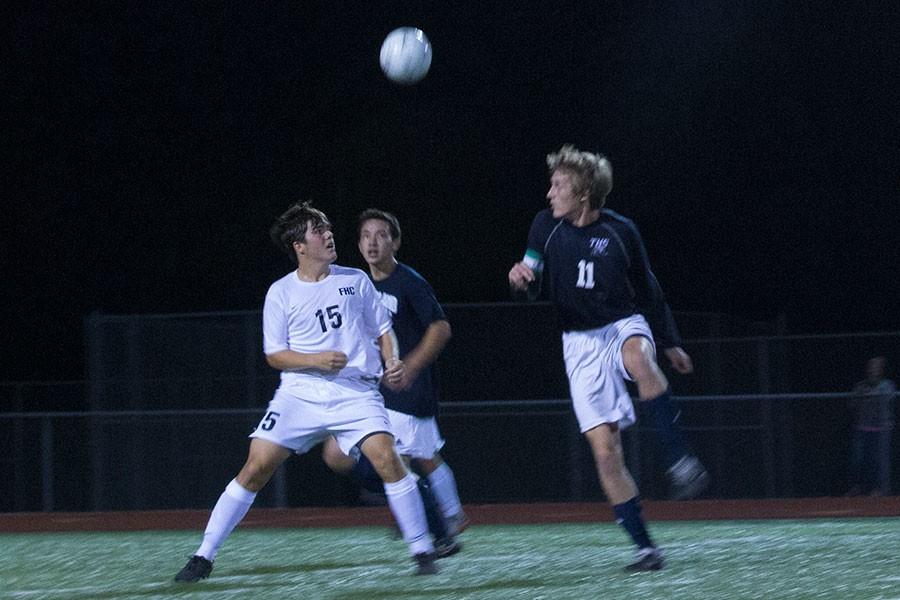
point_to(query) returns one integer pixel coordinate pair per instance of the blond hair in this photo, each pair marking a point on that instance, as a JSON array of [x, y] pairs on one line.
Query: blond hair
[[592, 172]]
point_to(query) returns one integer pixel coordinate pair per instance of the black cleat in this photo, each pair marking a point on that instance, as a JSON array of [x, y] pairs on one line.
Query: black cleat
[[446, 546], [648, 559], [196, 569], [425, 564], [689, 478]]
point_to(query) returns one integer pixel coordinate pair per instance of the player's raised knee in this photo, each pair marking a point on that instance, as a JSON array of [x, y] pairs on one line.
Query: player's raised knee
[[379, 449]]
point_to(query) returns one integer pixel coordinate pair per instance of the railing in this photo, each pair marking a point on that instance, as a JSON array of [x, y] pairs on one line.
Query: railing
[[755, 445]]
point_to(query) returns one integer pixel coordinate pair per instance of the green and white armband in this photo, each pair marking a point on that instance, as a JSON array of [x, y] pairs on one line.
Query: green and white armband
[[533, 260]]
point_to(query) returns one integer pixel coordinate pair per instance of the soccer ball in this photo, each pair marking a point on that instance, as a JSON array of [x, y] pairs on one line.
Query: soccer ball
[[405, 55]]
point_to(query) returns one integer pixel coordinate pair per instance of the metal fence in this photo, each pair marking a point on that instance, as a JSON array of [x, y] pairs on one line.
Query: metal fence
[[162, 420], [755, 446], [499, 351]]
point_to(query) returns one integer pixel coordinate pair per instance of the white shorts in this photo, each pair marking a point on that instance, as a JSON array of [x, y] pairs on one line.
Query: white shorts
[[299, 424], [597, 372], [417, 437]]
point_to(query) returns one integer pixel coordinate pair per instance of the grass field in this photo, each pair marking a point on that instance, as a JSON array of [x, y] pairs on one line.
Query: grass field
[[811, 558]]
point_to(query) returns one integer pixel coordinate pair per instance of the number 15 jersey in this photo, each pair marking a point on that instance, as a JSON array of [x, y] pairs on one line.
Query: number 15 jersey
[[340, 313]]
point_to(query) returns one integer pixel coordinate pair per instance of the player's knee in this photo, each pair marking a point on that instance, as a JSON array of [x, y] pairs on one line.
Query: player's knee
[[603, 455], [262, 460], [607, 453], [639, 365], [255, 474], [640, 362], [609, 464], [384, 459], [423, 467], [389, 467]]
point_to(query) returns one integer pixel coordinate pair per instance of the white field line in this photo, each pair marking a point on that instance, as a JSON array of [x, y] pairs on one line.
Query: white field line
[[163, 588]]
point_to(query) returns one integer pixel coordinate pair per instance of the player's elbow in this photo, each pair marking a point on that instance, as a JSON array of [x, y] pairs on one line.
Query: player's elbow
[[274, 360], [444, 329], [439, 332]]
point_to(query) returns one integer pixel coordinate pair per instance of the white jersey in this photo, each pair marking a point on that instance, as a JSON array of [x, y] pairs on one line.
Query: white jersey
[[340, 313]]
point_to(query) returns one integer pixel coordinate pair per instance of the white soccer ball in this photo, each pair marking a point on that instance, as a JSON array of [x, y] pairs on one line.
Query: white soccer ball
[[405, 55]]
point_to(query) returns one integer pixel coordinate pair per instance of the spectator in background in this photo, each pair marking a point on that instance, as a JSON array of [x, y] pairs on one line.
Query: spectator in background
[[872, 403]]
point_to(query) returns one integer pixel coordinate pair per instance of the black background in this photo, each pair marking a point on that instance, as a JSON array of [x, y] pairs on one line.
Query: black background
[[149, 146]]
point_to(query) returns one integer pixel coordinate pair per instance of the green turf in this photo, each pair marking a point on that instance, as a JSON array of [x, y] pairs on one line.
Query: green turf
[[841, 559]]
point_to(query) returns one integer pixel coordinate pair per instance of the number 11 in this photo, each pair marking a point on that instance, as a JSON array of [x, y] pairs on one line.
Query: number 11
[[585, 275]]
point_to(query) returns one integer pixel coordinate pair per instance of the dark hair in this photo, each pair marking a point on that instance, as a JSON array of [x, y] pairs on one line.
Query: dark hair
[[383, 215], [291, 226]]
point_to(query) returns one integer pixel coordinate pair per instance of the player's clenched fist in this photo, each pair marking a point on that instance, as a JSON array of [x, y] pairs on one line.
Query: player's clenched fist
[[520, 276], [394, 371]]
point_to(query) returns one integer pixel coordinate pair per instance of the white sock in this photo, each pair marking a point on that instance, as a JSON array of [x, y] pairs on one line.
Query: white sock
[[406, 504], [233, 504], [443, 484]]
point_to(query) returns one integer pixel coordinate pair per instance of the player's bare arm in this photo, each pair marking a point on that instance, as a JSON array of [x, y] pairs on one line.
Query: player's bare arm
[[394, 369], [426, 351], [329, 361], [679, 359]]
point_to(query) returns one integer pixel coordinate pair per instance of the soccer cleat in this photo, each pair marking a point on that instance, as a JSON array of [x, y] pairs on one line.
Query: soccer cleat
[[456, 524], [689, 478], [425, 564], [197, 568], [446, 546], [647, 559]]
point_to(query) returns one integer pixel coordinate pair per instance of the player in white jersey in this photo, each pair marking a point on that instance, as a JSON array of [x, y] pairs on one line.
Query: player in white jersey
[[325, 329]]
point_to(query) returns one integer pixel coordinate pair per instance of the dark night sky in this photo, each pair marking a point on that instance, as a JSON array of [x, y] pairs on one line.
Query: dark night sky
[[756, 144]]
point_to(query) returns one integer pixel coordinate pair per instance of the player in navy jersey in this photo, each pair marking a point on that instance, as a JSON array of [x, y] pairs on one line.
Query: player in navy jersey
[[326, 330], [611, 309], [422, 330]]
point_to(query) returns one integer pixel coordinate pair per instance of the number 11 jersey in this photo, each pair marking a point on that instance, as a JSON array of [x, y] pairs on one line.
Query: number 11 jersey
[[598, 274]]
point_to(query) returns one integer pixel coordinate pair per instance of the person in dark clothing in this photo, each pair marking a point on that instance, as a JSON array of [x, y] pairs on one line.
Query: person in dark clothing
[[422, 331], [610, 307], [872, 404]]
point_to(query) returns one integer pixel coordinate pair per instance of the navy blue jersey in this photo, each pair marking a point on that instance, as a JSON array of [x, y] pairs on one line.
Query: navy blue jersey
[[414, 307], [598, 274]]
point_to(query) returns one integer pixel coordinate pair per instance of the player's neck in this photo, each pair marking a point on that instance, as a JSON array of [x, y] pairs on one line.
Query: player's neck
[[585, 217], [312, 272], [383, 270]]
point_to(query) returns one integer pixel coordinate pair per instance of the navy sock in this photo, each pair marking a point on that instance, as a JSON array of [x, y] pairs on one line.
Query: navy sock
[[665, 416], [436, 526], [628, 515]]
